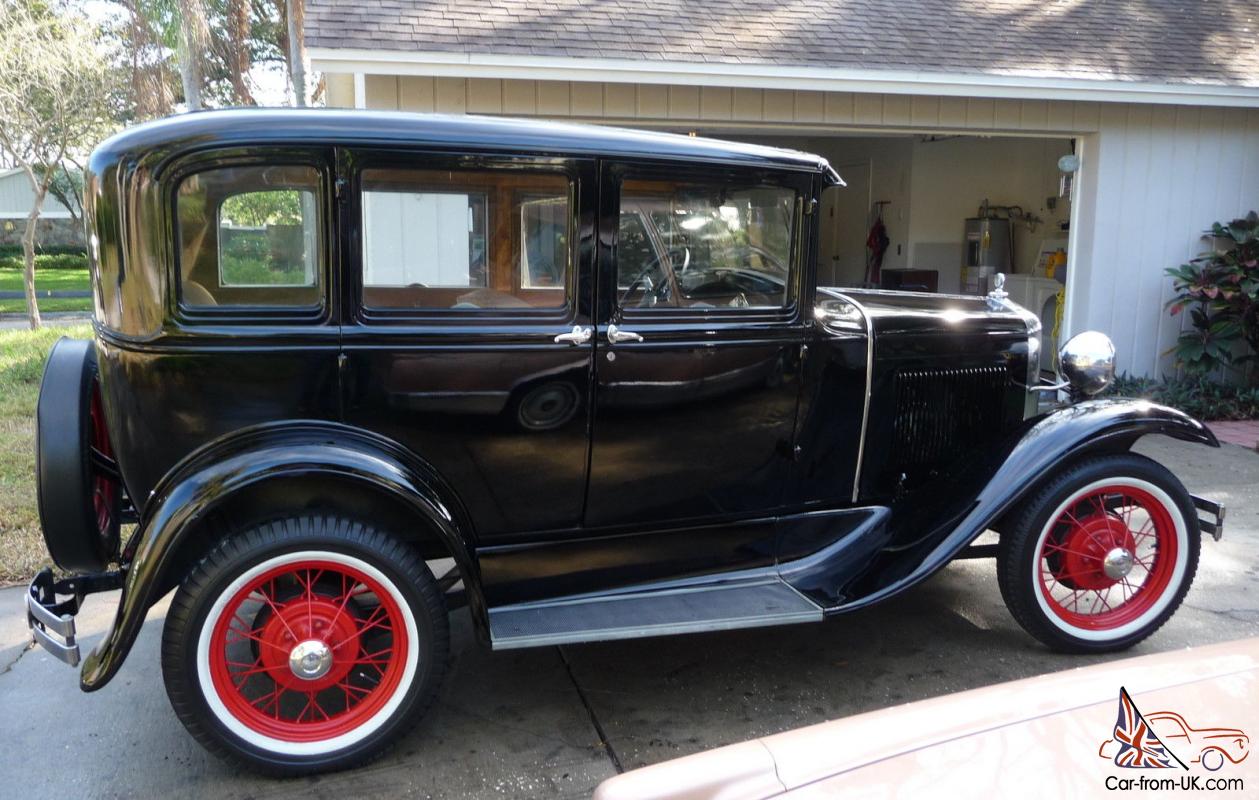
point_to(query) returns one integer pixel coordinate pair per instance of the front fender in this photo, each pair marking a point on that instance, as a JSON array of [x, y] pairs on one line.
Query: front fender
[[933, 524], [213, 474]]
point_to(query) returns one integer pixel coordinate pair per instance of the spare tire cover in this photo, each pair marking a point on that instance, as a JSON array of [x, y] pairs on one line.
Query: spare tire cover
[[80, 498]]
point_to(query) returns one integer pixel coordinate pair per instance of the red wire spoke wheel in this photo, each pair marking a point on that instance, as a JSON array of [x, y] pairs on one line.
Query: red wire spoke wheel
[[1101, 555], [305, 644], [309, 649], [105, 489], [1108, 557], [307, 653]]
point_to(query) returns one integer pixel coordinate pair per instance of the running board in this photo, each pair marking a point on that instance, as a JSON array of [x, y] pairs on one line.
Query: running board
[[661, 612]]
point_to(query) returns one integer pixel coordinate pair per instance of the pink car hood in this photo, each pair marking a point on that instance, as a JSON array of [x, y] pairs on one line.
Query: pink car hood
[[1038, 736]]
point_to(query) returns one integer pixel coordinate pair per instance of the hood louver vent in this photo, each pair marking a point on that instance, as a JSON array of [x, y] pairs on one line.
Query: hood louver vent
[[941, 413]]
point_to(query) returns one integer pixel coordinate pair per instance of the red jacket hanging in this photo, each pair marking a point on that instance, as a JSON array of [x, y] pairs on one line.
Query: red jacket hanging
[[876, 245]]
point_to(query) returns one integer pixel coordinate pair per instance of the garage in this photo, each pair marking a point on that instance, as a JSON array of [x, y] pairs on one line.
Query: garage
[[945, 213], [926, 111]]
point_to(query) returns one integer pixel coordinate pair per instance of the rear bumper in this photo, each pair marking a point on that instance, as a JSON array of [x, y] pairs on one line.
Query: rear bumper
[[51, 620], [1213, 521]]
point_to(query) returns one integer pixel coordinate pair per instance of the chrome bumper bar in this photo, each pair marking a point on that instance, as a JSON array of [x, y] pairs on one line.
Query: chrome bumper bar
[[50, 618], [1215, 524]]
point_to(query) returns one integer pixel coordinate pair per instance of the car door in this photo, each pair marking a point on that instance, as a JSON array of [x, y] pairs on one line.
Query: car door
[[467, 334], [700, 337]]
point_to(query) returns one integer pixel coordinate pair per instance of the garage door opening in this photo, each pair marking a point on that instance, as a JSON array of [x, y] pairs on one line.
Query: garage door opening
[[953, 211]]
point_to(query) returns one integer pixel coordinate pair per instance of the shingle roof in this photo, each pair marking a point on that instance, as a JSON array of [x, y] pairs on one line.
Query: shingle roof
[[1150, 41]]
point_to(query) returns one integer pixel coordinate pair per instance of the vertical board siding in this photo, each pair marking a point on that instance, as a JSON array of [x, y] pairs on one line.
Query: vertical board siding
[[1163, 176], [1153, 177], [382, 92]]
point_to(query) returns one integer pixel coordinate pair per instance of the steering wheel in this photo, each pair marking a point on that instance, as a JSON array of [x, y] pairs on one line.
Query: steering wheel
[[643, 277], [686, 256]]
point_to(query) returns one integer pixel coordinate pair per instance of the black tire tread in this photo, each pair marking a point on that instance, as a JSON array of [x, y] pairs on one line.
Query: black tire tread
[[1016, 591], [180, 633]]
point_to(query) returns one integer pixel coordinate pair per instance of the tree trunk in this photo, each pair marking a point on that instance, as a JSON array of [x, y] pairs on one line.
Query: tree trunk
[[238, 37], [295, 11], [196, 38], [28, 253]]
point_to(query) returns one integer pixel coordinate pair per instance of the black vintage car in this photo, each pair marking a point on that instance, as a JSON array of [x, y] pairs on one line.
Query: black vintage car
[[587, 367]]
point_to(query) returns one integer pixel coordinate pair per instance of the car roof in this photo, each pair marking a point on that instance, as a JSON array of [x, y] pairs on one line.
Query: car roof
[[256, 126]]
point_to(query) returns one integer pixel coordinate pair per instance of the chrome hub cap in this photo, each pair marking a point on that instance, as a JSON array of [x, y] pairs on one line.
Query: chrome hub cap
[[1117, 563], [310, 660]]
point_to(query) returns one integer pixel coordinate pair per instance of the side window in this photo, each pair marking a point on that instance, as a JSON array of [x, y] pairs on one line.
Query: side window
[[442, 239], [635, 254], [249, 236], [704, 245]]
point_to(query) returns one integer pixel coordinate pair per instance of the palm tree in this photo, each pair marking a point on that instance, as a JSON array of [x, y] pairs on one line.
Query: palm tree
[[195, 40], [238, 61], [295, 16]]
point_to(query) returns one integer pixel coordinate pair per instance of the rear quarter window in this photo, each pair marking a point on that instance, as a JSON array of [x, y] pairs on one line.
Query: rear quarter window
[[249, 236]]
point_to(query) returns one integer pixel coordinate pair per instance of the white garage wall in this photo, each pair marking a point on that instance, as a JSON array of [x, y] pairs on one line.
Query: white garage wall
[[935, 185], [416, 238], [952, 177], [1152, 178]]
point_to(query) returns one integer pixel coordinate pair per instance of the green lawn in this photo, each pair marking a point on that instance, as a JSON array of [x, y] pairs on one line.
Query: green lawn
[[46, 279], [22, 356]]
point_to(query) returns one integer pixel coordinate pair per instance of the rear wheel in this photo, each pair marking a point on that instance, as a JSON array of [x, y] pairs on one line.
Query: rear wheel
[[1101, 556], [305, 645]]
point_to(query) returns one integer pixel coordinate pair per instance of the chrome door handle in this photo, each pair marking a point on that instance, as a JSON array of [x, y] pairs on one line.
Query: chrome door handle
[[578, 335], [616, 335]]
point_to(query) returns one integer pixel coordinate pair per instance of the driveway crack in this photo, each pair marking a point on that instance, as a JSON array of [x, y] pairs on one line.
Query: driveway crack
[[594, 718], [30, 645]]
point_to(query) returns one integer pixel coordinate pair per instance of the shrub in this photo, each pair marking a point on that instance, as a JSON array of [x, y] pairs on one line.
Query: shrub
[[15, 251], [1221, 290], [1195, 395], [47, 261]]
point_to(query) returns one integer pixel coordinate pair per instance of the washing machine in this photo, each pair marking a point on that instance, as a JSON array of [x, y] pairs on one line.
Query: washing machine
[[1040, 296]]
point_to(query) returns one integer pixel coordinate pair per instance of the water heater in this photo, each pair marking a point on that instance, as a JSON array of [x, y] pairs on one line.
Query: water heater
[[989, 249], [988, 243]]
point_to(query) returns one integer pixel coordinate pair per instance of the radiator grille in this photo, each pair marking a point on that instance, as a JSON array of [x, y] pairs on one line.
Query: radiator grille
[[941, 413]]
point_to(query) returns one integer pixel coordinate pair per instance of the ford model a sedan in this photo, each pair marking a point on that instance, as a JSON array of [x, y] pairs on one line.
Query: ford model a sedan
[[588, 367]]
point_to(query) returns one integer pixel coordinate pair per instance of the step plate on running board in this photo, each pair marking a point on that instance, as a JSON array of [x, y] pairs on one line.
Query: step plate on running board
[[651, 613]]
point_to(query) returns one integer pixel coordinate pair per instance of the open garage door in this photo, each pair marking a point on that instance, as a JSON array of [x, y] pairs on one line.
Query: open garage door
[[955, 210]]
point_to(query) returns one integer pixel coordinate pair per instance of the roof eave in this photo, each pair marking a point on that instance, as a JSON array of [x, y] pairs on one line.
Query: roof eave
[[1029, 86]]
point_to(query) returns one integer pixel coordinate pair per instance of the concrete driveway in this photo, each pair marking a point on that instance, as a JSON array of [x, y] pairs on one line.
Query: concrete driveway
[[556, 721]]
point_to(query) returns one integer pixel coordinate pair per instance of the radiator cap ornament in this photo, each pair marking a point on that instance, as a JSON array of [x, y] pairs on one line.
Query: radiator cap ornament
[[996, 297]]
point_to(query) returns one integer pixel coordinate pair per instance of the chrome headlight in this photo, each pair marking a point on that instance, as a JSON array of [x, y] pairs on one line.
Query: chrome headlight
[[1088, 362]]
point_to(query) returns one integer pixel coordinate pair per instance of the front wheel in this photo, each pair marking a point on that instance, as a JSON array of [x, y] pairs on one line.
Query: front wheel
[[1101, 556], [304, 645]]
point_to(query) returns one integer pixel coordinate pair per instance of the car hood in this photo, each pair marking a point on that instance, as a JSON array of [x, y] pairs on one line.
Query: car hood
[[1012, 733], [893, 312]]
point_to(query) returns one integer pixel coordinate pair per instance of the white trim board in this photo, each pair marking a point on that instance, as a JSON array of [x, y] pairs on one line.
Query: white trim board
[[1030, 85]]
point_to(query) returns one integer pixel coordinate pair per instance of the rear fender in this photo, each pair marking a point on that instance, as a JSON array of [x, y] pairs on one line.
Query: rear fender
[[930, 526], [211, 476]]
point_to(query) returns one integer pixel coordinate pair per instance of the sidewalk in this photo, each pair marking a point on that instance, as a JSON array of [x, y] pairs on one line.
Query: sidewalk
[[1243, 432], [50, 319]]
